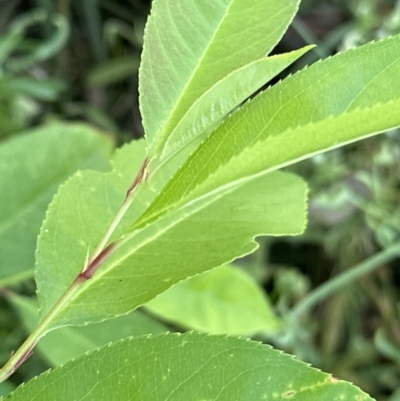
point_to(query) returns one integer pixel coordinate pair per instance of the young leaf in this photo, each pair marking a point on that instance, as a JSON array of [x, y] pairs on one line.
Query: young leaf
[[32, 166], [213, 231], [281, 150], [191, 366], [223, 97], [78, 340], [319, 106], [191, 45], [223, 300]]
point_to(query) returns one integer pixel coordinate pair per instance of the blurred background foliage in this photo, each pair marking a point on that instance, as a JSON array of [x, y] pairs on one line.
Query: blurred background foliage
[[78, 60]]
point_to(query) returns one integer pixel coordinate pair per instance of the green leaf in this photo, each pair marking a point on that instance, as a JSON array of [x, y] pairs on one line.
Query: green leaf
[[224, 300], [279, 151], [310, 112], [191, 366], [78, 217], [78, 340], [215, 39], [223, 97], [213, 231], [32, 166]]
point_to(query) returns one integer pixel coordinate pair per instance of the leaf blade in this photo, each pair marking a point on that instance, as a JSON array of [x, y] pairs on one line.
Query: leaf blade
[[224, 300], [79, 340], [233, 369], [215, 103], [213, 231], [205, 32], [76, 220], [309, 97], [23, 206]]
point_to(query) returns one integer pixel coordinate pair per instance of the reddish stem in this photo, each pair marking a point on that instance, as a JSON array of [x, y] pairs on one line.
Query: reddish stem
[[93, 266], [23, 358], [139, 177]]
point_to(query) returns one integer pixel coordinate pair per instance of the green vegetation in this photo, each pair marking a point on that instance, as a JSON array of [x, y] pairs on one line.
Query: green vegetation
[[98, 233]]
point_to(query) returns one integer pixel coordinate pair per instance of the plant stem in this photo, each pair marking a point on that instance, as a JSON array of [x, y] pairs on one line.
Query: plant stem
[[142, 174], [101, 253], [343, 279], [25, 350]]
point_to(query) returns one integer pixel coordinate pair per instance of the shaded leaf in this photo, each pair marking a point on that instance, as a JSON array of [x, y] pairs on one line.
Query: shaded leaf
[[6, 388], [32, 166], [60, 346], [223, 300], [113, 71], [43, 89]]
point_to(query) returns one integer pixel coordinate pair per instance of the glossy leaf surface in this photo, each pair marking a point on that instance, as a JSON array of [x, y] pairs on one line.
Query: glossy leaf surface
[[223, 97]]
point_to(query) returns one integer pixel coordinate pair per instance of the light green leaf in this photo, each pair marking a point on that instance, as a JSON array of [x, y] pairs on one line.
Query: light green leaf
[[310, 112], [32, 166], [213, 231], [60, 346], [223, 97], [78, 217], [191, 45], [281, 150], [223, 300], [191, 366]]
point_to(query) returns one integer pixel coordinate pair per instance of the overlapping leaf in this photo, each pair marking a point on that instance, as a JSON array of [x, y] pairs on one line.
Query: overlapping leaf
[[223, 97], [187, 367], [78, 217], [32, 166], [190, 46], [313, 111], [211, 231]]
